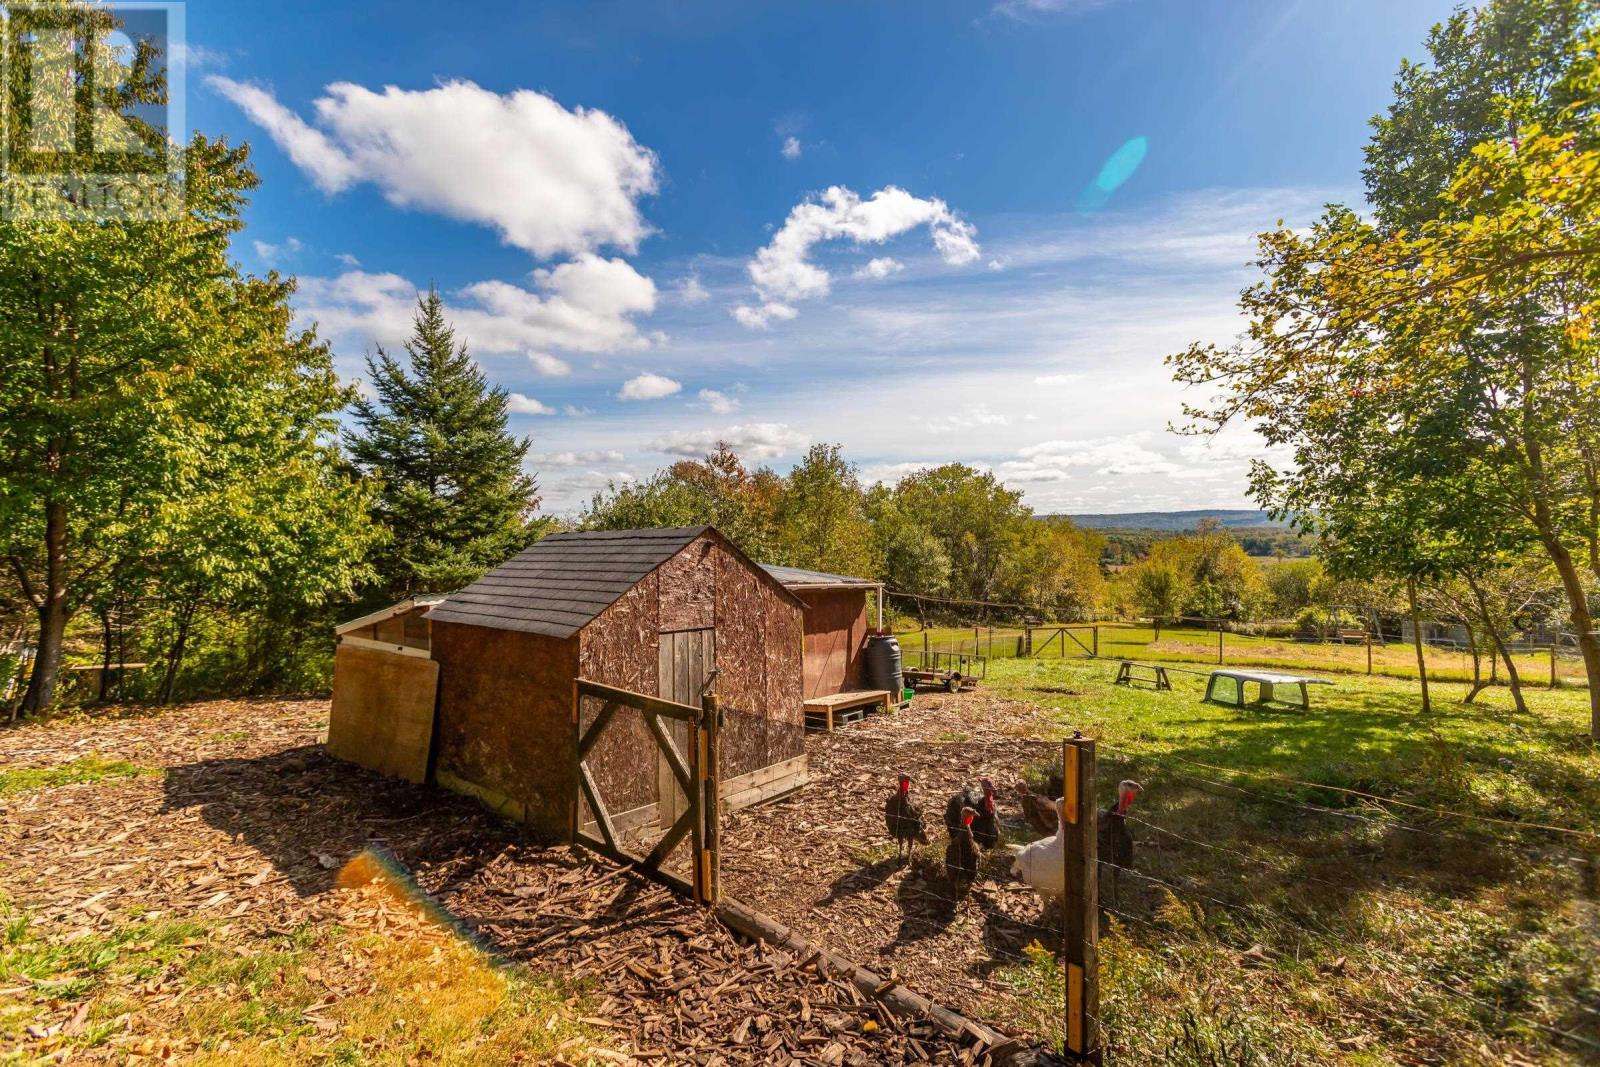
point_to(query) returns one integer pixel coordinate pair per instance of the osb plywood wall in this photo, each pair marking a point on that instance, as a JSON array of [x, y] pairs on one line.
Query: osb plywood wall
[[786, 730], [382, 714], [505, 717], [619, 649], [836, 635], [758, 657], [688, 587]]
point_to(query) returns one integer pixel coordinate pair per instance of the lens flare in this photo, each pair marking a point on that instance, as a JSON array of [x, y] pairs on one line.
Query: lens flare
[[1113, 173]]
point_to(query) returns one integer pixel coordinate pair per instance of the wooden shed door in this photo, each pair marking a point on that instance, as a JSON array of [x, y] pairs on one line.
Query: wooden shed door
[[687, 660]]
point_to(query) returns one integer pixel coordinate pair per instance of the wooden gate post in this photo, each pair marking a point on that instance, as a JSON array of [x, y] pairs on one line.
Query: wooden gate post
[[1080, 921], [697, 807], [711, 858], [1096, 653]]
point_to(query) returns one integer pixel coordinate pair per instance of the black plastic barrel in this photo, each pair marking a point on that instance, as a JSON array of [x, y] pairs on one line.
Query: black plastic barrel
[[883, 665]]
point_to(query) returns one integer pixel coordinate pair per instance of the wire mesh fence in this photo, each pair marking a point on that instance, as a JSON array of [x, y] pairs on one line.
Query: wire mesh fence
[[1355, 901], [1200, 644]]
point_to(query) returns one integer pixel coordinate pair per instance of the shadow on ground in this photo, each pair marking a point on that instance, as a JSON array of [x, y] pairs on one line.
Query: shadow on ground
[[309, 813]]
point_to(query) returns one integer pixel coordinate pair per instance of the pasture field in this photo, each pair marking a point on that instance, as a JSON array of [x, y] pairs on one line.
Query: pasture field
[[1193, 645], [1279, 915]]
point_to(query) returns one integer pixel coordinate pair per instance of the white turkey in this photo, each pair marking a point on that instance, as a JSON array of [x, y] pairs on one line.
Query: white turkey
[[1040, 864]]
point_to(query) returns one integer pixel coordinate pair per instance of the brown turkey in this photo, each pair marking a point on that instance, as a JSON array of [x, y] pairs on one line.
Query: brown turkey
[[903, 819], [1039, 810], [1114, 839], [961, 854]]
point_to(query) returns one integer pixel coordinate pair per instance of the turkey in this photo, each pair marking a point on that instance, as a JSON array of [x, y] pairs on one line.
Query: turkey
[[1115, 841], [961, 854], [1039, 810], [1041, 864], [985, 824], [903, 819]]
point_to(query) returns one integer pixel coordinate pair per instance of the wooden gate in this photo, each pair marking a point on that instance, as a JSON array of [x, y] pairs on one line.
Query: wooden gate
[[686, 660], [691, 765]]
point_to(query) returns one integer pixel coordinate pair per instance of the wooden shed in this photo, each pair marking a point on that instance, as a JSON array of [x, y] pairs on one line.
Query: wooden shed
[[836, 620], [659, 612], [384, 681]]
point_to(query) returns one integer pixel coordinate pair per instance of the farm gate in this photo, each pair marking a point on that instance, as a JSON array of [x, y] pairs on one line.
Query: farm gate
[[643, 819], [1069, 640]]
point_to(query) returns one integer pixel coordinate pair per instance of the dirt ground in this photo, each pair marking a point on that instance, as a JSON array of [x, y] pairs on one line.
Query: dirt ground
[[238, 818], [820, 860]]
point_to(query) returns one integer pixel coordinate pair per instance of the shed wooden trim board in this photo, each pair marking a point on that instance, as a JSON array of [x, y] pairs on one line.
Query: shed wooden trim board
[[382, 614]]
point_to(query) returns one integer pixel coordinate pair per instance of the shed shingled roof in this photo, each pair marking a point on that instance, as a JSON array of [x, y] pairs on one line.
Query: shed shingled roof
[[558, 585], [794, 578]]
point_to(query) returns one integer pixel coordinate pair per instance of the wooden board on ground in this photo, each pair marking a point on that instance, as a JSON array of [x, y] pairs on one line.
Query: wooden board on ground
[[825, 712], [382, 716]]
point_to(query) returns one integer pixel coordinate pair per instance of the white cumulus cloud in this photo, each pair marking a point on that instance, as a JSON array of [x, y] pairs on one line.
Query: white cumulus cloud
[[880, 268], [579, 459], [718, 403], [549, 180], [518, 404], [756, 440], [648, 386], [274, 254], [783, 274], [691, 292], [586, 305], [548, 365]]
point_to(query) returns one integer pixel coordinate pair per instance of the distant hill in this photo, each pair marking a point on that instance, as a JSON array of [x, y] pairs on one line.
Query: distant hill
[[1174, 521]]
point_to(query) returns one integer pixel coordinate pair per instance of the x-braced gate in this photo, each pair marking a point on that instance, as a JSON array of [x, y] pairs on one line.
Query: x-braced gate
[[694, 771]]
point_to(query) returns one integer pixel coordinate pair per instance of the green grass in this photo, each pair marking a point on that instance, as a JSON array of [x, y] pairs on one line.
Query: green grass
[[1368, 915], [421, 995], [84, 770], [1199, 647]]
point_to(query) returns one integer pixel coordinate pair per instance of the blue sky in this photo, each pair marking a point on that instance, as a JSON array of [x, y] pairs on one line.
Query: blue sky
[[928, 231]]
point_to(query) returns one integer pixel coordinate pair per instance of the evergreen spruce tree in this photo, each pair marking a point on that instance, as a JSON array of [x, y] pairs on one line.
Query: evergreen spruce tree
[[454, 496]]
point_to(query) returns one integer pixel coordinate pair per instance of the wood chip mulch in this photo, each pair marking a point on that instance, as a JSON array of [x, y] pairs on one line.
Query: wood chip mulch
[[819, 859], [243, 821]]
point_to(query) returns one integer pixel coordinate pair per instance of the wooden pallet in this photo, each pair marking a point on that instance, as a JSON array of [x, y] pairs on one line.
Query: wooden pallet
[[824, 713]]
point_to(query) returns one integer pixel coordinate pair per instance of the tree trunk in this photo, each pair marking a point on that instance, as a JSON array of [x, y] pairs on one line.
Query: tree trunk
[[1582, 624], [1416, 640], [180, 641], [1478, 684], [106, 642], [1500, 647], [53, 614]]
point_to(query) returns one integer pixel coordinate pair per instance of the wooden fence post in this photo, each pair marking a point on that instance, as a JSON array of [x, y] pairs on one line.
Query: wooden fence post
[[712, 792], [1219, 644], [696, 801], [1553, 681], [1369, 651], [575, 819], [1027, 633], [1080, 922], [1096, 653]]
